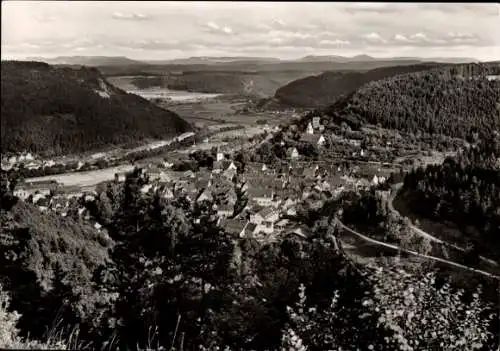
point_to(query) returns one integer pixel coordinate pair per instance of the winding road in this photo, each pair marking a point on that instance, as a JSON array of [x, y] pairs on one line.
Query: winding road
[[394, 191], [414, 253]]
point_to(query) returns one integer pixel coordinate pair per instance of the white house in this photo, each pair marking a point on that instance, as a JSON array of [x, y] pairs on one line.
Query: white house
[[265, 220], [261, 197], [119, 177], [205, 195], [32, 165], [310, 129], [294, 153], [321, 140], [146, 188], [49, 163], [264, 167], [375, 180], [220, 156], [21, 193]]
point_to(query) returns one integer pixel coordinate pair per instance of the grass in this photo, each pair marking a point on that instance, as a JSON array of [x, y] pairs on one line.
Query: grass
[[9, 334]]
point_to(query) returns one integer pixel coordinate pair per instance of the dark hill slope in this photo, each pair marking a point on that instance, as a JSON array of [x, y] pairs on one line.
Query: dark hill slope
[[457, 101], [325, 88], [61, 110], [45, 256]]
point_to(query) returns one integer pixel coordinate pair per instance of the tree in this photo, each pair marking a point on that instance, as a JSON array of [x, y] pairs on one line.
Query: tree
[[422, 315]]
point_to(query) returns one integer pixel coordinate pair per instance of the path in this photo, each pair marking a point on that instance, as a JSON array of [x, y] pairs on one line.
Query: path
[[394, 191], [414, 253]]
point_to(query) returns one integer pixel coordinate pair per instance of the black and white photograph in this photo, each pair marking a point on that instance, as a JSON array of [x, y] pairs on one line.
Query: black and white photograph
[[250, 176]]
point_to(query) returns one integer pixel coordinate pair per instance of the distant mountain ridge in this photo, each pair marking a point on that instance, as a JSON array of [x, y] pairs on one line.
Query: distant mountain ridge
[[214, 60], [88, 60], [59, 110]]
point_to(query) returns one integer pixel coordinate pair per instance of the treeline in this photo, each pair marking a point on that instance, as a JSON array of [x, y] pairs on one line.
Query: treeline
[[52, 110], [459, 102], [465, 191]]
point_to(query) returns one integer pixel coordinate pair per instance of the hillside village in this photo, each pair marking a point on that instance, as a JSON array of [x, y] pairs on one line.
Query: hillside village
[[272, 192]]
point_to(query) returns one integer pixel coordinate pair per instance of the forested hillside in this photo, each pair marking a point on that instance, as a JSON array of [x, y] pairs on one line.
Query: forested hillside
[[464, 191], [57, 110], [457, 101], [324, 89]]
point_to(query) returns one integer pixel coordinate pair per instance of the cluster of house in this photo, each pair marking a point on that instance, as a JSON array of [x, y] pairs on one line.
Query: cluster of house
[[30, 161], [26, 158]]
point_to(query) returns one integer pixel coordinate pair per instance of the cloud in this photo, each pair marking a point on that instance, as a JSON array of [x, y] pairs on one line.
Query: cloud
[[130, 16], [279, 23], [374, 38], [368, 7], [334, 43], [214, 28], [419, 36], [401, 38]]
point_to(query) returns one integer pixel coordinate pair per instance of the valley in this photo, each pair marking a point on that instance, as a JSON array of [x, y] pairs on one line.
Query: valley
[[247, 192]]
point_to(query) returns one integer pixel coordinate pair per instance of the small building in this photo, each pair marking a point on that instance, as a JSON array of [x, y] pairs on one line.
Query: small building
[[224, 211], [204, 196], [294, 153], [72, 191], [28, 157], [220, 156], [316, 122], [261, 197], [309, 129], [120, 177], [217, 166], [321, 141], [234, 226], [268, 214], [146, 188], [49, 163], [282, 224]]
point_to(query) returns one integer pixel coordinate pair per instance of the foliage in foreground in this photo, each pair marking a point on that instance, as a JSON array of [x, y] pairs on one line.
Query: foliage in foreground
[[179, 280]]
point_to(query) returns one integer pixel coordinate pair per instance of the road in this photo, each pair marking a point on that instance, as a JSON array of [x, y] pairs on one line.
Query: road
[[414, 253], [394, 191]]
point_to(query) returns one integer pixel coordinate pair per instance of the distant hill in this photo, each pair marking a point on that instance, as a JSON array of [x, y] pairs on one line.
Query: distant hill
[[240, 78], [458, 101], [93, 61], [258, 84], [325, 88], [367, 58], [58, 110], [206, 60], [96, 61]]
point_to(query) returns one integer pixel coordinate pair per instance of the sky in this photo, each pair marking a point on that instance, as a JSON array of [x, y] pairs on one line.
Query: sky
[[166, 30]]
